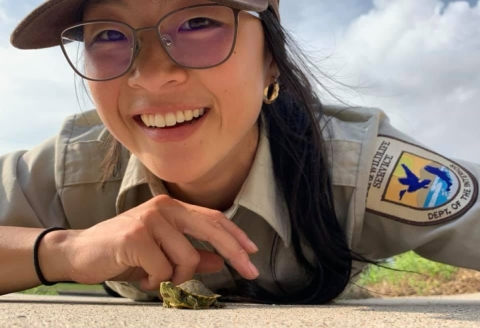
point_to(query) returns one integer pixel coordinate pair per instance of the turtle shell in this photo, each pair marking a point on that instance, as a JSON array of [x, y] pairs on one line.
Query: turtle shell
[[198, 289]]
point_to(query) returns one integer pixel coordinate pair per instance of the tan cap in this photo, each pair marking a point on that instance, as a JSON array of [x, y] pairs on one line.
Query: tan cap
[[42, 27]]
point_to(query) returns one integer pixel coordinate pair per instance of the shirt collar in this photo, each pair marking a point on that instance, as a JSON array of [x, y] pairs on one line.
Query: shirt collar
[[258, 194]]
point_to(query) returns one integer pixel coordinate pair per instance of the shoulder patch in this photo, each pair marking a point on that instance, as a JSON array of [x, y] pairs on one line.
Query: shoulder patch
[[411, 184]]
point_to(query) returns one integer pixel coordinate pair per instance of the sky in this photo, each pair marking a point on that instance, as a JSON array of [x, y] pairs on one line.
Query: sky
[[418, 60]]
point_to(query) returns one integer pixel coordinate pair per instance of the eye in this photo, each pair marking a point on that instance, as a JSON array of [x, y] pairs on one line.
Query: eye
[[198, 23], [110, 36]]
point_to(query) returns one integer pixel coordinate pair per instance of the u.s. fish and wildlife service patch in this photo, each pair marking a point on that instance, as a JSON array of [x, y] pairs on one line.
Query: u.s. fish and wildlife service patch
[[413, 185]]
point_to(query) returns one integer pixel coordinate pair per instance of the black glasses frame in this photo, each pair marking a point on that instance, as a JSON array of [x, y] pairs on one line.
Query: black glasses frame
[[136, 45]]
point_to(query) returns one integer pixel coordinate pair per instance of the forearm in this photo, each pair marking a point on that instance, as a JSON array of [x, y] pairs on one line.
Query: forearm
[[17, 271]]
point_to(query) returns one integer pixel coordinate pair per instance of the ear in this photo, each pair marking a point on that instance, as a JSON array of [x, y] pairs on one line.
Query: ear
[[271, 70]]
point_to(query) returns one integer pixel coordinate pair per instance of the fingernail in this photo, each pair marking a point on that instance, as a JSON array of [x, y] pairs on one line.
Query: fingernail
[[253, 248], [253, 269]]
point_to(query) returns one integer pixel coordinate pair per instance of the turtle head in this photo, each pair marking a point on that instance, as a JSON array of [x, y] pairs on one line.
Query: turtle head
[[169, 291]]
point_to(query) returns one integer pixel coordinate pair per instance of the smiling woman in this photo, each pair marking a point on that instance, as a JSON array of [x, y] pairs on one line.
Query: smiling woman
[[219, 162]]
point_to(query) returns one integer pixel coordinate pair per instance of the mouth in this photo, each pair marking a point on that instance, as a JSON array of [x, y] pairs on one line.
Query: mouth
[[171, 120]]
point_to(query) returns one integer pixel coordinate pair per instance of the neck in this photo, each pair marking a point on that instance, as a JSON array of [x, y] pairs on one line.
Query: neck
[[220, 186]]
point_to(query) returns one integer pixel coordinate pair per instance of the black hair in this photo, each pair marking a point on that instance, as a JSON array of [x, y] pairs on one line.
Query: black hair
[[302, 176]]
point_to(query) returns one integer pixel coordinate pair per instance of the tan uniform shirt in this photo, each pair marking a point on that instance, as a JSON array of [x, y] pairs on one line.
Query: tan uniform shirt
[[417, 200]]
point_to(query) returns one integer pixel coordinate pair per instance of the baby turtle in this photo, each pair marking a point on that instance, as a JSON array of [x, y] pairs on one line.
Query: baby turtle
[[191, 294]]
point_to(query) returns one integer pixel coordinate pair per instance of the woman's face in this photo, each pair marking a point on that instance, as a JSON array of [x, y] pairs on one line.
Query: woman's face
[[231, 95]]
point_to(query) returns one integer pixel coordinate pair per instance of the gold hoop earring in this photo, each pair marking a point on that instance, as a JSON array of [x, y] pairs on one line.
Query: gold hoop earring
[[270, 96]]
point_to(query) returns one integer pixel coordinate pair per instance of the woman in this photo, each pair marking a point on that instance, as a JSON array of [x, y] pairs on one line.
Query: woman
[[214, 146]]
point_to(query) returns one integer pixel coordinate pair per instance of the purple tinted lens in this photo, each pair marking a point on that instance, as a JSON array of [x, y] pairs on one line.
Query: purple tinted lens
[[199, 37], [99, 51]]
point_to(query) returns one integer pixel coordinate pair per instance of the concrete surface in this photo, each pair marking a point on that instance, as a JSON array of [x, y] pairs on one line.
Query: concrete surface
[[19, 310]]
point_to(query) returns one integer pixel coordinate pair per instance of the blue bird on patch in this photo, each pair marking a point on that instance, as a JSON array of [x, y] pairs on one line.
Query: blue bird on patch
[[412, 181], [441, 174]]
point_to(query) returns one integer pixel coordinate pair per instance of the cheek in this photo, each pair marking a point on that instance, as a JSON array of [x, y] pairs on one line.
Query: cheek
[[239, 99], [105, 96], [240, 83], [245, 71]]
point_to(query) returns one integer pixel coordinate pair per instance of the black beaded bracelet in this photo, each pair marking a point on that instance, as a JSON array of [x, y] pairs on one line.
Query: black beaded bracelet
[[35, 255]]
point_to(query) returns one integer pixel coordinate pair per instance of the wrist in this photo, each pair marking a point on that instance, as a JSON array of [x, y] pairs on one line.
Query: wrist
[[52, 256]]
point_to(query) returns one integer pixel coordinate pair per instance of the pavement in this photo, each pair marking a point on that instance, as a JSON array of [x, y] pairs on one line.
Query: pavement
[[21, 310]]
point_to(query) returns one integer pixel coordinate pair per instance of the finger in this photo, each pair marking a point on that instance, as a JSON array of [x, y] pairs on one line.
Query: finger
[[154, 262], [240, 236], [209, 262], [227, 224], [210, 227], [178, 249]]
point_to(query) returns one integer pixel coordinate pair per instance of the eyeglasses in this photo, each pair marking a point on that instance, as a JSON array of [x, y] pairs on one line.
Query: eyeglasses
[[196, 37]]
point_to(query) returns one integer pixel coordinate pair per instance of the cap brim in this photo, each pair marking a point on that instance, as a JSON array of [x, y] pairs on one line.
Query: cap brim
[[43, 26]]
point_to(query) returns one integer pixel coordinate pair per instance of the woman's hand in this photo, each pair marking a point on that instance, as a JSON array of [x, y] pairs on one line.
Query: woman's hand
[[148, 244]]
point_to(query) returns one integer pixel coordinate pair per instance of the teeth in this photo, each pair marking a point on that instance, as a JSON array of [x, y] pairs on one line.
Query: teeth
[[188, 115], [180, 117], [171, 119], [145, 120], [160, 121]]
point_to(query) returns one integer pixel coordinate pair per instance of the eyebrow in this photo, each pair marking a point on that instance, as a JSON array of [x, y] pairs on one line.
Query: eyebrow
[[120, 2], [102, 2]]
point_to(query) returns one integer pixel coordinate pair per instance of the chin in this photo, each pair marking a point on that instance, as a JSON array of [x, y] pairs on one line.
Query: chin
[[179, 174]]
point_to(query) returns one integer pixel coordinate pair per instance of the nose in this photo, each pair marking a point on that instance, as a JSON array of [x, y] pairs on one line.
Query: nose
[[153, 69]]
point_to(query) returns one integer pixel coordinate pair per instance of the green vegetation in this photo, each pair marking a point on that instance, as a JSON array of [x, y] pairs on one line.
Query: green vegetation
[[423, 274], [419, 267]]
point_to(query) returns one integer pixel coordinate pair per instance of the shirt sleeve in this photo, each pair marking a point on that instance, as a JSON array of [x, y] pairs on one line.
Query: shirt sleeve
[[419, 200], [28, 193]]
